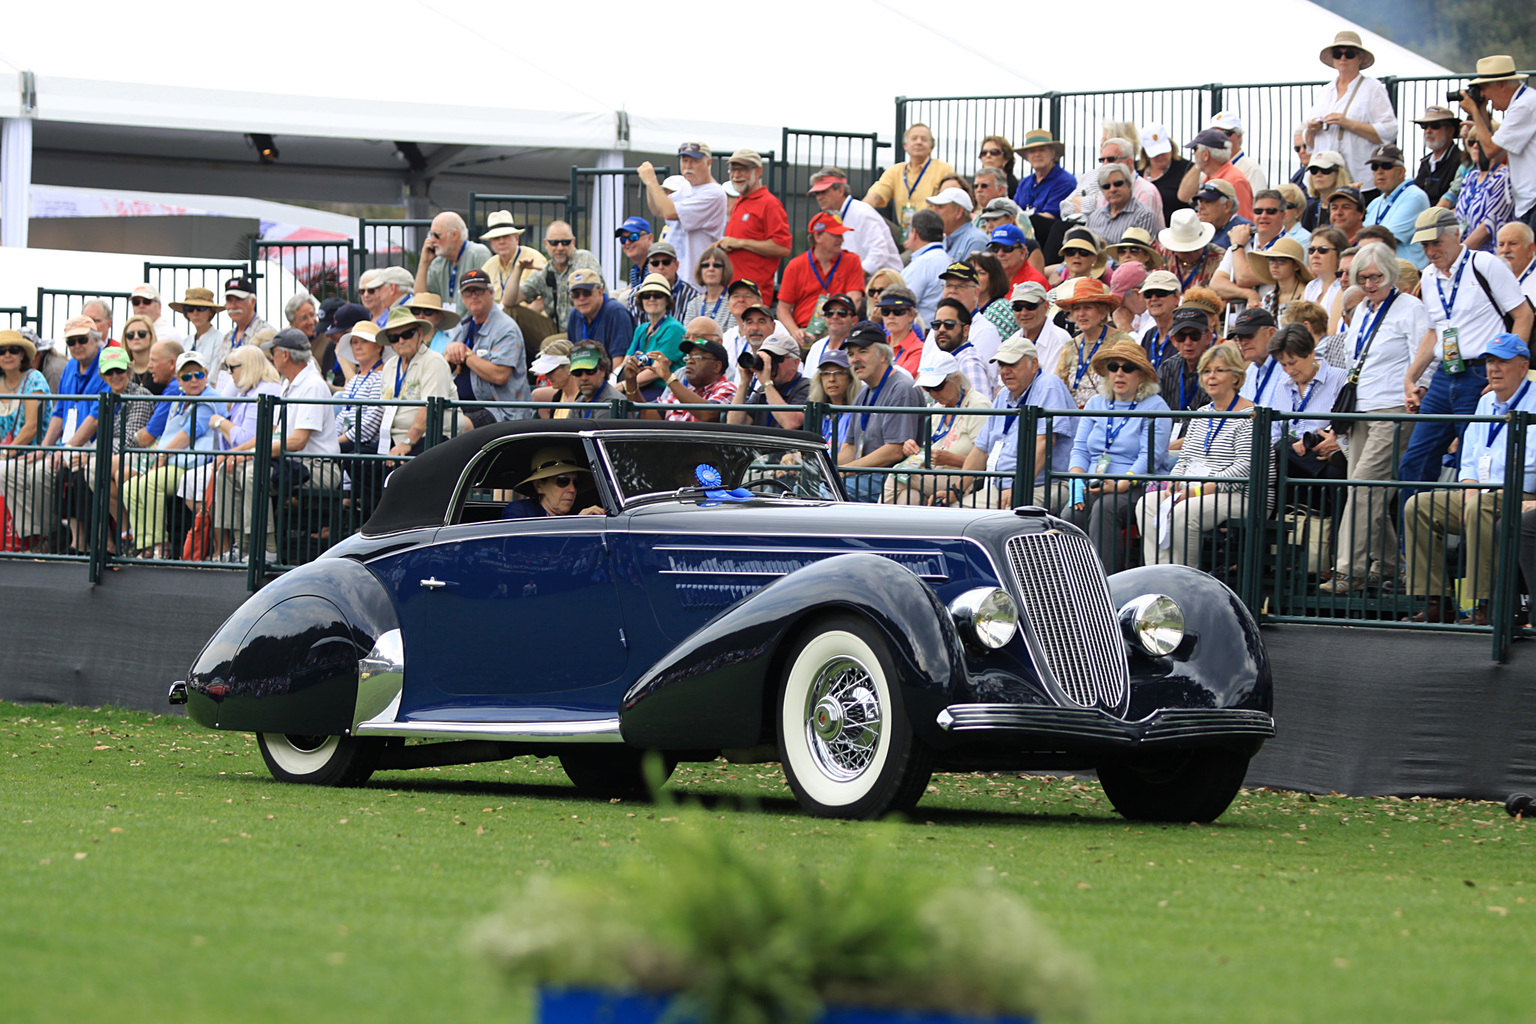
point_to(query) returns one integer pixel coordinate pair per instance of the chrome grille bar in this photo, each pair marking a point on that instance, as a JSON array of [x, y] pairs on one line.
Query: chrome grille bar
[[1066, 600]]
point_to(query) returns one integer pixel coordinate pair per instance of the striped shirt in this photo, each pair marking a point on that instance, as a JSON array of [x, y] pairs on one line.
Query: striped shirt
[[1111, 227], [363, 387], [1217, 447], [719, 311], [721, 392]]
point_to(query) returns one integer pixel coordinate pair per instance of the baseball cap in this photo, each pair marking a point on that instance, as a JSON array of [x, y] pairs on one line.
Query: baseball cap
[[935, 369], [633, 224], [1029, 291], [674, 183], [1226, 121], [865, 332], [890, 300], [345, 318], [1161, 281], [145, 291], [585, 278], [1215, 188], [1251, 321], [748, 157], [780, 344], [758, 306], [742, 282], [1351, 193], [1189, 316], [194, 356], [78, 325], [112, 358], [546, 362], [840, 299], [1007, 234], [694, 150], [290, 338], [1014, 349], [240, 288], [1155, 140], [956, 271], [587, 357], [711, 347], [1434, 222], [475, 279], [1212, 137], [662, 248], [1386, 153], [829, 222], [952, 195], [833, 357], [1127, 276], [1508, 346]]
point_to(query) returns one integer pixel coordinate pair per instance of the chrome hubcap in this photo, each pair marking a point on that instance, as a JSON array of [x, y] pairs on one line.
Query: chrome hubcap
[[842, 724]]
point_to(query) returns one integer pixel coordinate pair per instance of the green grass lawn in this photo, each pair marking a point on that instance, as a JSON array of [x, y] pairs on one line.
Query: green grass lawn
[[151, 870]]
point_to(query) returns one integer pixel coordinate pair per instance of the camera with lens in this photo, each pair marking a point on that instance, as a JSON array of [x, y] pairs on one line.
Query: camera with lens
[[1474, 91], [643, 359], [1311, 439], [749, 360]]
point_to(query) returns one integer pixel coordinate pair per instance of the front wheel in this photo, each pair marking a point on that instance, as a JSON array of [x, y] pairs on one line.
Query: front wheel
[[1186, 785], [847, 747], [319, 760]]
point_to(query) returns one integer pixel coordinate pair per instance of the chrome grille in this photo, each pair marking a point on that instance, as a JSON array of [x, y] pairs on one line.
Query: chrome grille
[[1066, 602]]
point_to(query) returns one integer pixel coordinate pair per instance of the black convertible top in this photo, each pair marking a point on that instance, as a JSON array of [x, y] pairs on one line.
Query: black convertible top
[[419, 491]]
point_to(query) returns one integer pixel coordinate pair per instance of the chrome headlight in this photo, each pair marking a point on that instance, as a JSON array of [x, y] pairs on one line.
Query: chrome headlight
[[1153, 622], [986, 616]]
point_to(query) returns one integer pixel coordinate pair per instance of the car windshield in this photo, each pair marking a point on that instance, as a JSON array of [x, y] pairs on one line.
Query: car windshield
[[715, 470]]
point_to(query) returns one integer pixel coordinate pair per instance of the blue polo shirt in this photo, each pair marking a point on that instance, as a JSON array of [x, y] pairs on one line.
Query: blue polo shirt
[[612, 327], [1045, 196], [71, 412], [156, 424]]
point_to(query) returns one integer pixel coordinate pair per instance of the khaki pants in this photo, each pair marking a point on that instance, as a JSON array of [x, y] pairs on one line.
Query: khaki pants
[[1366, 530], [1430, 515], [145, 495], [1191, 518], [242, 488]]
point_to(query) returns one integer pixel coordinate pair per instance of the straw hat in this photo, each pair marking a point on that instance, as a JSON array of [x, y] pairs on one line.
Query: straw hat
[[551, 461], [198, 298], [1500, 68], [1348, 38], [8, 338], [654, 284], [399, 319], [1041, 137], [499, 224], [1087, 290], [1126, 352], [1285, 249], [1186, 232], [1137, 238], [427, 300]]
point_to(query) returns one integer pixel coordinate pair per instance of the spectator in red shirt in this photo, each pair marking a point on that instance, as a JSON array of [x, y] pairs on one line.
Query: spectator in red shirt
[[898, 314], [821, 271], [757, 230], [1008, 244]]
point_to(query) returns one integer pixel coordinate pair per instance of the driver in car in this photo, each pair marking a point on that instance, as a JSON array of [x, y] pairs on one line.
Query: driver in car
[[553, 485]]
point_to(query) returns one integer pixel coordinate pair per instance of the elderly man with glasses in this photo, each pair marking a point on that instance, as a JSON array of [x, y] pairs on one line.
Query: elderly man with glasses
[[699, 211], [1400, 202], [240, 304], [549, 290], [1120, 210], [446, 256]]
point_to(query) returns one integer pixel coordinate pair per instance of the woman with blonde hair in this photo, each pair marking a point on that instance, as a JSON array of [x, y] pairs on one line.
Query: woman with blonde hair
[[878, 282], [714, 274], [1326, 171], [138, 338], [553, 366], [253, 375], [1295, 205]]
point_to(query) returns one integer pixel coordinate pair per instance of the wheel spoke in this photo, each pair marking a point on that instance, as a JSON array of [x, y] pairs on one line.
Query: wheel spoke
[[843, 720]]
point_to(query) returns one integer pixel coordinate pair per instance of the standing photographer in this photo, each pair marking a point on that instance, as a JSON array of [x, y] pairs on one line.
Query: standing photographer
[[1497, 83]]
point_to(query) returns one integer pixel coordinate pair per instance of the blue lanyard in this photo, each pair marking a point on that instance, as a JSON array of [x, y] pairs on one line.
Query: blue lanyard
[[1082, 367], [1155, 350], [1112, 433], [1386, 204], [1305, 398], [1023, 401], [714, 312], [831, 276], [399, 375], [842, 214], [920, 174], [1527, 272], [453, 271], [1258, 391], [1461, 265], [828, 424], [946, 423], [1271, 243], [1210, 435], [1365, 331], [1184, 395], [1195, 270], [874, 396], [1495, 429]]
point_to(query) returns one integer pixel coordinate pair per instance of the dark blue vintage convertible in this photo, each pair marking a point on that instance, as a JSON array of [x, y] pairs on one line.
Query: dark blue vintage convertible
[[730, 600]]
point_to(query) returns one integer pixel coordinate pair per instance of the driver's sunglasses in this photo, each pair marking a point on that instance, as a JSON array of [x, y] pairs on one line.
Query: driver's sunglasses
[[564, 480], [593, 372], [1022, 304], [1345, 53], [194, 375]]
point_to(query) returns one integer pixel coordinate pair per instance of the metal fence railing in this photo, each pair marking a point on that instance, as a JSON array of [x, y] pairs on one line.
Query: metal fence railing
[[15, 318], [55, 306], [125, 497], [173, 279], [387, 243], [533, 214], [804, 153], [324, 269]]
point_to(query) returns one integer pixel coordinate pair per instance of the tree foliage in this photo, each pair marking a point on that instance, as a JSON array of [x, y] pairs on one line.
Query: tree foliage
[[1454, 33]]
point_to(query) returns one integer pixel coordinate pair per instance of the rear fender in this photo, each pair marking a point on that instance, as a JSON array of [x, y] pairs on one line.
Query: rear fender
[[712, 689]]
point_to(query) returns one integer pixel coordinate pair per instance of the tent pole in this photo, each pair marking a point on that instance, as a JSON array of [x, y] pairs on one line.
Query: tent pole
[[15, 180]]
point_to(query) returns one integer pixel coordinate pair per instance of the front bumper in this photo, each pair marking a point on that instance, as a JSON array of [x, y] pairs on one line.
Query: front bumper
[[1052, 728]]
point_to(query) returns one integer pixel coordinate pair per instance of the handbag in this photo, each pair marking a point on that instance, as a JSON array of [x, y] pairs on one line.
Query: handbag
[[9, 541], [1347, 398], [199, 542]]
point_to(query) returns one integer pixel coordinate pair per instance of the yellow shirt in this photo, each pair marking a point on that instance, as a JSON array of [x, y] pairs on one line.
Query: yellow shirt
[[499, 276], [915, 189]]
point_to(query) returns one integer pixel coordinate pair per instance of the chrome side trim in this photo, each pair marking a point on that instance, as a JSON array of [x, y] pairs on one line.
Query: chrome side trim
[[603, 730], [713, 556], [1171, 726], [380, 678]]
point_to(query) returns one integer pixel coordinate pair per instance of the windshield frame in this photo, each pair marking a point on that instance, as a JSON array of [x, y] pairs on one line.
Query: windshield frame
[[807, 450]]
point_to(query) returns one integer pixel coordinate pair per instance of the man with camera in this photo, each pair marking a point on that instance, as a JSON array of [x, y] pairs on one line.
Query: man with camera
[[700, 380], [1500, 85], [771, 376]]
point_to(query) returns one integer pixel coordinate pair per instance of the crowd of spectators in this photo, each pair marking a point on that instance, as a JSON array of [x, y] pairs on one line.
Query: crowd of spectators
[[1149, 283]]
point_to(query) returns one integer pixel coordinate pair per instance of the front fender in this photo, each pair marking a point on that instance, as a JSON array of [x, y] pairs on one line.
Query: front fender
[[286, 660], [712, 690], [1221, 663]]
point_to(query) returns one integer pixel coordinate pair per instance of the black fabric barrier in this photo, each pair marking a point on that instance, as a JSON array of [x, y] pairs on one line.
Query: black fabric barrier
[[1360, 711]]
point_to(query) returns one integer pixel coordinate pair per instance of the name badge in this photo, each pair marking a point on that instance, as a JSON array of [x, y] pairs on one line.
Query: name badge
[[1102, 465], [1485, 468]]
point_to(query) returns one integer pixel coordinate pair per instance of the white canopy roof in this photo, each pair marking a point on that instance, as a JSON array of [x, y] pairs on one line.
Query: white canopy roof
[[546, 75]]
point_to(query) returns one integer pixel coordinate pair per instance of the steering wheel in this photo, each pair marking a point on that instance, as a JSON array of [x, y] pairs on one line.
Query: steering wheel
[[783, 486]]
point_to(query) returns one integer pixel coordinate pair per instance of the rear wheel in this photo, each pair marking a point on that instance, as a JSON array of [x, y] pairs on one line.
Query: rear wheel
[[1185, 785], [847, 747], [319, 760], [614, 771]]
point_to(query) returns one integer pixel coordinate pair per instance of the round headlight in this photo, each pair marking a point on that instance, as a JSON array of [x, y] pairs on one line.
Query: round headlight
[[1153, 622], [986, 616]]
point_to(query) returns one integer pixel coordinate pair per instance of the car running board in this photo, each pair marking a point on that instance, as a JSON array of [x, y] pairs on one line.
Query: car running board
[[590, 730]]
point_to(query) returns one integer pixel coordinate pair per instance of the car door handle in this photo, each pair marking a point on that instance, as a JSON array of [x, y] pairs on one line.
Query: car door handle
[[433, 583]]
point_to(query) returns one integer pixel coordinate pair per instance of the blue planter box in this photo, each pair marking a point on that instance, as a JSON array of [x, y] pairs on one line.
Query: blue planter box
[[595, 1006]]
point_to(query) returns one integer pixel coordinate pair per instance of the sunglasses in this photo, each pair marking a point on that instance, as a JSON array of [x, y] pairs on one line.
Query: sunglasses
[[1159, 293], [1121, 184], [564, 480], [114, 372], [898, 311], [1022, 305], [874, 293], [1378, 166], [1267, 211], [559, 241], [711, 265], [1188, 335], [1110, 159], [991, 152], [633, 236], [1298, 149], [1345, 53], [999, 247], [192, 375], [1321, 170], [368, 291], [577, 293], [13, 350], [140, 301], [1322, 249], [948, 325], [405, 335], [1115, 366], [661, 261], [836, 312], [593, 372], [134, 335], [79, 339]]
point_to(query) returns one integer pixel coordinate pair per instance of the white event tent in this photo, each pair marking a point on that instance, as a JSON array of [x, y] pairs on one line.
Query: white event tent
[[490, 98]]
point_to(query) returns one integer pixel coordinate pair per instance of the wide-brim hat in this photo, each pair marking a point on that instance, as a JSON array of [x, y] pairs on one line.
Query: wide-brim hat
[[427, 300], [654, 284], [198, 298], [1499, 68], [400, 318], [17, 338], [1285, 249], [1348, 38], [1086, 291], [1186, 232], [500, 224], [1126, 352], [1137, 238], [1040, 137], [551, 461]]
